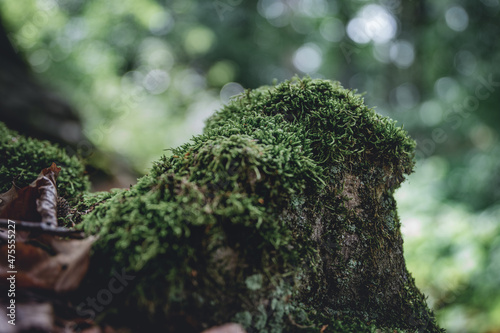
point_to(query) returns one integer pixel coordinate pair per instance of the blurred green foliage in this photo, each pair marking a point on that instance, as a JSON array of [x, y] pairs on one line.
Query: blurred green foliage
[[145, 73]]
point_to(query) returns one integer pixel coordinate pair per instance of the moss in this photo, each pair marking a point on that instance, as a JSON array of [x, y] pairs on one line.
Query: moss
[[187, 233], [22, 159], [279, 216], [333, 122]]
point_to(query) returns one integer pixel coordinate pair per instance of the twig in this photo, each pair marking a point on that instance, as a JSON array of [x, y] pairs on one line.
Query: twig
[[44, 228]]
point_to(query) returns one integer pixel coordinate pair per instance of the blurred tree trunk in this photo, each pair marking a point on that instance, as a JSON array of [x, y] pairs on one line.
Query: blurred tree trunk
[[34, 110], [30, 108]]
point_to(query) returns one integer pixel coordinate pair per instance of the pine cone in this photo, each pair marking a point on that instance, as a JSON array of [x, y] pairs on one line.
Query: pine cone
[[62, 207]]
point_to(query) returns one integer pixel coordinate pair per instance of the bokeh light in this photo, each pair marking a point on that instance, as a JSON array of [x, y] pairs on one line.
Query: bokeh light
[[447, 89], [402, 54], [431, 113], [465, 62], [457, 18], [372, 23], [332, 29], [229, 90], [308, 58]]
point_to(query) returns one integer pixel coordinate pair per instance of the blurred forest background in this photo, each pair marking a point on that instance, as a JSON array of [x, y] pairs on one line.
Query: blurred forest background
[[142, 75]]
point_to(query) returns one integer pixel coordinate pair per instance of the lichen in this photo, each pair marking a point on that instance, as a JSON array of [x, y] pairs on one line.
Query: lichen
[[22, 159], [279, 216]]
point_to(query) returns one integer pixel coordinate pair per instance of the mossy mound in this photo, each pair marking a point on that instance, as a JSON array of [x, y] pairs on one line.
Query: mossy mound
[[22, 159], [280, 216], [334, 124], [197, 240]]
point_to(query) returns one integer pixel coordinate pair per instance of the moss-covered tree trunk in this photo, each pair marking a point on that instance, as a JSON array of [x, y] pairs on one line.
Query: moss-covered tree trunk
[[360, 270], [280, 217]]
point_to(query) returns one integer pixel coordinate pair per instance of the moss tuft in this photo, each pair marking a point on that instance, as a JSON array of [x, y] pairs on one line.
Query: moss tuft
[[333, 123], [22, 159]]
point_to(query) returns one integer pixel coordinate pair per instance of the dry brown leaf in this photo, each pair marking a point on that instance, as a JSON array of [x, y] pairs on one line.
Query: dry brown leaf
[[23, 205], [43, 260], [35, 207], [49, 263], [70, 265], [46, 203], [7, 197], [36, 202]]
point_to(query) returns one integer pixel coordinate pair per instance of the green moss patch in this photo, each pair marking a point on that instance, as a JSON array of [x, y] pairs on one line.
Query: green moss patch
[[23, 158], [334, 123]]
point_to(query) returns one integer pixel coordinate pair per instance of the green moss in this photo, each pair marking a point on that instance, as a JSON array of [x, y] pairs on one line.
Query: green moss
[[178, 221], [333, 123], [23, 158], [279, 216]]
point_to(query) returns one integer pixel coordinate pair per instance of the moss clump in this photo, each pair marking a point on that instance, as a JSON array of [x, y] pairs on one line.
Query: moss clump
[[187, 234], [279, 216], [23, 158], [334, 123]]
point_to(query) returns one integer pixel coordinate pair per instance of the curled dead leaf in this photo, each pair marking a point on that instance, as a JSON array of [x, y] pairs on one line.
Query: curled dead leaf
[[35, 206], [46, 203], [36, 202]]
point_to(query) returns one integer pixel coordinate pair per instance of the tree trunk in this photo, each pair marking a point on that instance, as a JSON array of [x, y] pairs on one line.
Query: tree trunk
[[29, 108]]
